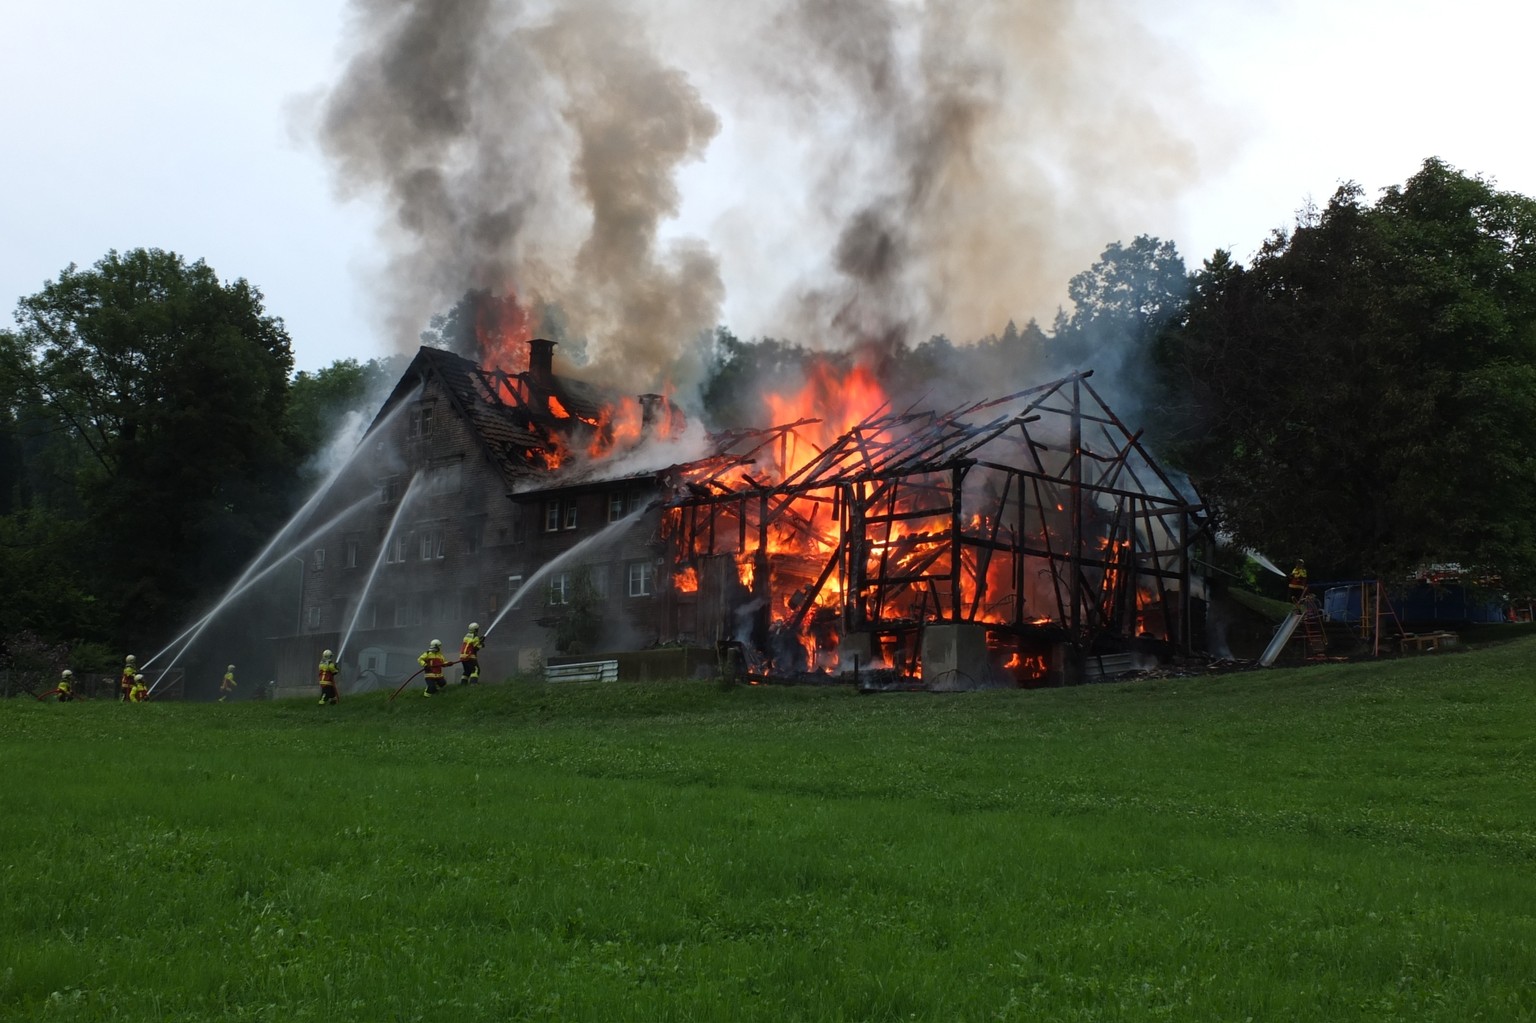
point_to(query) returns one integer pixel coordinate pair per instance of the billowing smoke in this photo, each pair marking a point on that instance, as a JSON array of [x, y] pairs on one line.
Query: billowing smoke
[[829, 171]]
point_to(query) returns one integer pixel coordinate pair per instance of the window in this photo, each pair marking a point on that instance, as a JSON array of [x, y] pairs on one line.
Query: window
[[514, 583], [431, 542], [624, 502], [560, 588], [390, 489], [319, 561], [405, 613], [312, 617], [519, 524], [447, 478], [642, 576], [559, 515], [398, 549], [352, 546], [421, 422]]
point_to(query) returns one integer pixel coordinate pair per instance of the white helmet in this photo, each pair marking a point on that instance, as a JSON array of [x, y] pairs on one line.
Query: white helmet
[[138, 678], [230, 668], [68, 673], [326, 654], [131, 660], [474, 626], [436, 644]]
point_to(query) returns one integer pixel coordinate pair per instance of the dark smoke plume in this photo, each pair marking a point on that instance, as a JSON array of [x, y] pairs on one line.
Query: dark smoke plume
[[865, 171]]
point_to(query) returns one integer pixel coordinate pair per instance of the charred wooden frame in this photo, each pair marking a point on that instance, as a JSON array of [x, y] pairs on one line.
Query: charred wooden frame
[[1038, 515]]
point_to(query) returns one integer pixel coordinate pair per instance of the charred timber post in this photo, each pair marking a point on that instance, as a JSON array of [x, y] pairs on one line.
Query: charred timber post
[[762, 591], [858, 556], [1075, 514], [956, 562]]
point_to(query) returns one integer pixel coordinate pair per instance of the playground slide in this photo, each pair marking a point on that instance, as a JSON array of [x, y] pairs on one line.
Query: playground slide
[[1283, 633]]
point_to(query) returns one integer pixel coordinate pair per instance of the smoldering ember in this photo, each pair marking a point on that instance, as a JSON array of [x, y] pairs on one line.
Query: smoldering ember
[[1025, 538]]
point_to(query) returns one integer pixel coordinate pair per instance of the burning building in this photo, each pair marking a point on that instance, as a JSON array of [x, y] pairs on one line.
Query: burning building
[[1017, 539]]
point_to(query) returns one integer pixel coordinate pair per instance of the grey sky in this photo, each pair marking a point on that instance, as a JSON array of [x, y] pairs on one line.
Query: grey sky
[[187, 126]]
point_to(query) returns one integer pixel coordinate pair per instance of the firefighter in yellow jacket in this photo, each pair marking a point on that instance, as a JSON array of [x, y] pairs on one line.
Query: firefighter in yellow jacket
[[227, 687], [140, 691], [65, 690], [329, 669], [1298, 582], [433, 662], [469, 655], [125, 679]]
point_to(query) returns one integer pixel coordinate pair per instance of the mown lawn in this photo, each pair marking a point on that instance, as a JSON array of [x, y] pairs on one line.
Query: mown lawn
[[1345, 842]]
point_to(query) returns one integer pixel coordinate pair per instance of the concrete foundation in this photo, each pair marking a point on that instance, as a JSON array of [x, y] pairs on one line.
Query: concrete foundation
[[954, 657], [858, 646]]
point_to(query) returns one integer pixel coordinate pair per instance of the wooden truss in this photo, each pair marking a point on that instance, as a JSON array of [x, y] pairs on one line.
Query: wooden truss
[[1038, 513]]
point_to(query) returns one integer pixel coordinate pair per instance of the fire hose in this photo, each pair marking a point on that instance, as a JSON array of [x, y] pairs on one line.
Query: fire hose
[[418, 671]]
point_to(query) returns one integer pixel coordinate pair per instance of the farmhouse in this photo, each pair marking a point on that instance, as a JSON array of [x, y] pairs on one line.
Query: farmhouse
[[1018, 539]]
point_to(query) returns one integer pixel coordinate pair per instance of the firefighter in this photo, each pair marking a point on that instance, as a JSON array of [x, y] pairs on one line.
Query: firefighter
[[140, 691], [227, 686], [328, 671], [469, 655], [1298, 582], [433, 663], [65, 690], [125, 680]]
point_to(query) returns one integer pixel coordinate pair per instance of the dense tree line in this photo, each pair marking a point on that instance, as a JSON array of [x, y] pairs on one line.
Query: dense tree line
[[151, 439], [1362, 393]]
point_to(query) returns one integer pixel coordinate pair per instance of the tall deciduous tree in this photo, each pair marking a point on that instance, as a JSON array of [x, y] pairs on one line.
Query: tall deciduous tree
[[164, 390], [1121, 304], [1364, 395]]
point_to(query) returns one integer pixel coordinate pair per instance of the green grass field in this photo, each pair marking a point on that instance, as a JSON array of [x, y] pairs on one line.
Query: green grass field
[[1343, 842]]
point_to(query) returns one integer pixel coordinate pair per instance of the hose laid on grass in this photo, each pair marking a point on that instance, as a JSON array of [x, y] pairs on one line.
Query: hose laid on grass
[[446, 664]]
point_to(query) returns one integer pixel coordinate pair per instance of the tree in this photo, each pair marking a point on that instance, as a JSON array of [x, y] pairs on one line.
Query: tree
[[164, 391], [1120, 305], [317, 402], [1364, 395]]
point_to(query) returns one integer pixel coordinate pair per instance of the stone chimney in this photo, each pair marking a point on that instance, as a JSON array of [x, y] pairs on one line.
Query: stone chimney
[[541, 361], [650, 408]]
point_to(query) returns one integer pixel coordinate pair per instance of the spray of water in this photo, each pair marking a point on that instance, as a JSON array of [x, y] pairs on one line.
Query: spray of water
[[610, 532], [389, 539], [309, 505], [247, 581]]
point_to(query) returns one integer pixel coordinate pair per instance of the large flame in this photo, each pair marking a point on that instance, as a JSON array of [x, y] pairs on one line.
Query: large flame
[[503, 329]]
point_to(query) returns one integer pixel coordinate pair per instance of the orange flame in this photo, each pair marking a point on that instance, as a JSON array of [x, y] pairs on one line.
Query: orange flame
[[502, 331]]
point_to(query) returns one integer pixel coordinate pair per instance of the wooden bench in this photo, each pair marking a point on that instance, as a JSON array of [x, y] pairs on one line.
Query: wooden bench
[[1427, 641], [586, 671]]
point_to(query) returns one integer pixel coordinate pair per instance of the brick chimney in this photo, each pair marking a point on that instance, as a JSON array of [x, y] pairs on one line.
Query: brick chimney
[[541, 361]]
